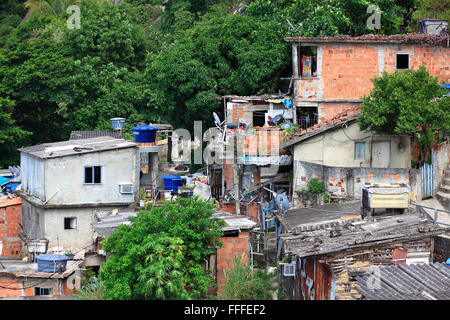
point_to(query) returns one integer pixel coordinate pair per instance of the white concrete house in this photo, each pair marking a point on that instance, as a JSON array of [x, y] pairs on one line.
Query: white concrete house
[[68, 185]]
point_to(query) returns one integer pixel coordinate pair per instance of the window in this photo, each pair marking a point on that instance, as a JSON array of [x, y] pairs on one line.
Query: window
[[308, 62], [38, 291], [360, 150], [70, 223], [92, 175], [402, 61]]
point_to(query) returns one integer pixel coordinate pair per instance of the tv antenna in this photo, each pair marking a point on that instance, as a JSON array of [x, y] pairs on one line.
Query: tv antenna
[[294, 31]]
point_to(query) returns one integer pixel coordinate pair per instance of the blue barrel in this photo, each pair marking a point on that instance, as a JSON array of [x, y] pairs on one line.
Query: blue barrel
[[52, 262], [144, 134], [172, 183]]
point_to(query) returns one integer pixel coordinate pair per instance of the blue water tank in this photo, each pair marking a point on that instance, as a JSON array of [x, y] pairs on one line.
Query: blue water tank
[[52, 262], [144, 134], [172, 183]]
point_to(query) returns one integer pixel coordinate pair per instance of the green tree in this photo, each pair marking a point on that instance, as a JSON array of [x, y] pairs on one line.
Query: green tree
[[11, 136], [426, 9], [160, 255], [406, 102]]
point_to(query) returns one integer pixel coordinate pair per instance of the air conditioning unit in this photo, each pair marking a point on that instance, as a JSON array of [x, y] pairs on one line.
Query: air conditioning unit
[[126, 188]]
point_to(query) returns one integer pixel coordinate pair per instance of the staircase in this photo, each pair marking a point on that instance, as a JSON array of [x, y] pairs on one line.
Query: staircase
[[443, 195]]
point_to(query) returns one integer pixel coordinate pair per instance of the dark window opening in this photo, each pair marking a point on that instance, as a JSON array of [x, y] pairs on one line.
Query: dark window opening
[[93, 174], [70, 223], [259, 118], [88, 175], [231, 234], [307, 117], [308, 62], [38, 291], [402, 61]]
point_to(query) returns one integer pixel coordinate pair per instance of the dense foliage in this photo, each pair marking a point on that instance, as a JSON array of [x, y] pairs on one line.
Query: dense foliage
[[407, 102], [157, 60], [160, 255]]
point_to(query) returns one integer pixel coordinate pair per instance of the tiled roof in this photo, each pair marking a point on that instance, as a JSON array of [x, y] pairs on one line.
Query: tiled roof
[[409, 38], [324, 125], [406, 282]]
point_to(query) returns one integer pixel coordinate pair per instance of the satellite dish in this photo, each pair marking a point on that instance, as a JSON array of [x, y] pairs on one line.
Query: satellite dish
[[282, 202], [217, 119]]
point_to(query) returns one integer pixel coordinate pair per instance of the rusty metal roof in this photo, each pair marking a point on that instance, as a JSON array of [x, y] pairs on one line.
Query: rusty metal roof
[[405, 282]]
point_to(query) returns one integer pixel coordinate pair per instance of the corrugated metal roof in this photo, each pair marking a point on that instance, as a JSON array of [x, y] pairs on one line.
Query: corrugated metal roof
[[405, 282]]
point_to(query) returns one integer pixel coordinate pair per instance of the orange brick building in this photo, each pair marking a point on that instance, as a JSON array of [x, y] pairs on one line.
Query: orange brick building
[[332, 74], [236, 244], [10, 220]]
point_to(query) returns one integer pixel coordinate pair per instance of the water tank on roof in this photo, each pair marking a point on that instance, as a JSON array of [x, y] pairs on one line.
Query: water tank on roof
[[52, 262], [117, 123], [144, 134]]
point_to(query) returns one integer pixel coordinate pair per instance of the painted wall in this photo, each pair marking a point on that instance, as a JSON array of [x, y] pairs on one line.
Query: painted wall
[[337, 148], [32, 175], [66, 174], [48, 224]]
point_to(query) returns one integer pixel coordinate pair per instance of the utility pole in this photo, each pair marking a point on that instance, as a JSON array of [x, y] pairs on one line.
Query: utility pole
[[236, 166]]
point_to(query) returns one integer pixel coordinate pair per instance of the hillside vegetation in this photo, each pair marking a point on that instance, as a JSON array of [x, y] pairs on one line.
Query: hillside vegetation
[[155, 60]]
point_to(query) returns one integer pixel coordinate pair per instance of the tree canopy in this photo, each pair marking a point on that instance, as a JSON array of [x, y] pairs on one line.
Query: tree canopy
[[407, 102], [160, 255], [157, 60]]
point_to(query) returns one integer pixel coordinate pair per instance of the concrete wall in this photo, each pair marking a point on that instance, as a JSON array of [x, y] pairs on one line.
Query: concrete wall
[[32, 175], [66, 175], [337, 148], [345, 181], [441, 161], [48, 224], [33, 221]]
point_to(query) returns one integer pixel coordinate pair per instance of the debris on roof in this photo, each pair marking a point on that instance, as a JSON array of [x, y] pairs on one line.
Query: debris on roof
[[75, 147], [409, 38], [405, 282], [339, 119], [234, 222], [355, 235]]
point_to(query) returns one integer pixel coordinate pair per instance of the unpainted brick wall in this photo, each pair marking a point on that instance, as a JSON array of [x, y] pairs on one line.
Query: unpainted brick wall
[[232, 247], [348, 70], [10, 220]]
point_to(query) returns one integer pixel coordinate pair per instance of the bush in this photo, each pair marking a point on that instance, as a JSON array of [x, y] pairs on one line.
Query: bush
[[243, 284], [316, 186]]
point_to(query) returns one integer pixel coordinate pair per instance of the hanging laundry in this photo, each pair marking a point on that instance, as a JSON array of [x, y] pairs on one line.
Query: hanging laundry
[[287, 102]]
